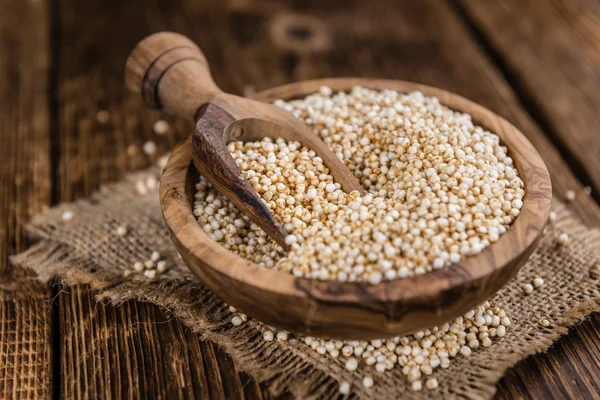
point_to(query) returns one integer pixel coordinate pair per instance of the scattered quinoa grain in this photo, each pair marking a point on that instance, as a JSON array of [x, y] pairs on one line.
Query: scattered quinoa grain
[[418, 355], [121, 230], [587, 190], [268, 336], [351, 364], [151, 182], [563, 239], [67, 215], [149, 148], [367, 382], [236, 320], [282, 336], [149, 264], [344, 388], [552, 216], [138, 266], [416, 386], [140, 187], [150, 273], [570, 195], [155, 256], [545, 323], [528, 288], [538, 282], [161, 127], [161, 266], [431, 383], [126, 273]]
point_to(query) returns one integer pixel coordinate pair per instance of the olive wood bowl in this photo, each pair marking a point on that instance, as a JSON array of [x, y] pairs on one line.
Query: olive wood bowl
[[354, 310]]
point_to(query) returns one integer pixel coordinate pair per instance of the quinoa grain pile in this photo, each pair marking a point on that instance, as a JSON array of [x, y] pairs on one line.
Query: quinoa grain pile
[[439, 188]]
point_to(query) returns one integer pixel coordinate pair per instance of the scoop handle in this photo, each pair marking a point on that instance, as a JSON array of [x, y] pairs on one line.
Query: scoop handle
[[171, 73]]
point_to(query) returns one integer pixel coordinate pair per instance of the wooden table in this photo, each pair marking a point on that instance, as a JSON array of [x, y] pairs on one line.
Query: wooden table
[[536, 63]]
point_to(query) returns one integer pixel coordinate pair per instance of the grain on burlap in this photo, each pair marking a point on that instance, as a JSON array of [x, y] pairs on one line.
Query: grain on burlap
[[87, 250]]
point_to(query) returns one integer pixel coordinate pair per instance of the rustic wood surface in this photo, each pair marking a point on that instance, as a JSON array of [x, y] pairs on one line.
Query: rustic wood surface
[[26, 318], [551, 51], [64, 60]]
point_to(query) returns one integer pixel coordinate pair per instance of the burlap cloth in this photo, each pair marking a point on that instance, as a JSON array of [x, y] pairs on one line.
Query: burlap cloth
[[86, 250]]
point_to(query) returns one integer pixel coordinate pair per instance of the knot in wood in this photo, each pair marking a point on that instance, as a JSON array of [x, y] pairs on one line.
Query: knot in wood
[[299, 33]]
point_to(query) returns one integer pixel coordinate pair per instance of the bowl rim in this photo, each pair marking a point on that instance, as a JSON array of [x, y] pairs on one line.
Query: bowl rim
[[518, 241]]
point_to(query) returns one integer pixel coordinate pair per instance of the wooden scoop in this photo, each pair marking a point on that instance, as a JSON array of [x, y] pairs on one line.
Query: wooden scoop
[[171, 73]]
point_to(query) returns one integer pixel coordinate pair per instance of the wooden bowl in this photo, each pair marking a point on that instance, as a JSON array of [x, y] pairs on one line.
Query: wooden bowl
[[359, 310]]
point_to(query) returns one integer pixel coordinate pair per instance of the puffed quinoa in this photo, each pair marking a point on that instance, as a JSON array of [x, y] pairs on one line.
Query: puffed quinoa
[[545, 323], [161, 266], [161, 127], [150, 273], [151, 182], [268, 336], [418, 355], [431, 383], [141, 188], [416, 386], [563, 239], [552, 216], [138, 266], [121, 230], [439, 188], [344, 388], [67, 215], [570, 195], [538, 282], [236, 320], [528, 288], [351, 364], [367, 382], [149, 148]]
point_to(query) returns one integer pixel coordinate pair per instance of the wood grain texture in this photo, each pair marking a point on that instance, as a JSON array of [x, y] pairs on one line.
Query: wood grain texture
[[421, 41], [359, 310], [25, 188], [132, 351], [551, 50]]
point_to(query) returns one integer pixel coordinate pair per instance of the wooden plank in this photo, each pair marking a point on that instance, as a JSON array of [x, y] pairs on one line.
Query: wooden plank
[[551, 50], [132, 351], [421, 41], [25, 188], [578, 377]]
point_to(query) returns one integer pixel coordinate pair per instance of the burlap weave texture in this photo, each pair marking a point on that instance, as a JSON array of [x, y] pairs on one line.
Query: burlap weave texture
[[86, 250]]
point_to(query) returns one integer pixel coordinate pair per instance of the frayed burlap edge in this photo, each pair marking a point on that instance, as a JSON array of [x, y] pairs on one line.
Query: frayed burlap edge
[[286, 367]]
